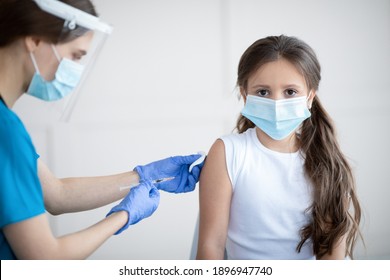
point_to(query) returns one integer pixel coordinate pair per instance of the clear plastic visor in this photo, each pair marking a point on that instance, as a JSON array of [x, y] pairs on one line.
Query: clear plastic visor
[[84, 51], [87, 35]]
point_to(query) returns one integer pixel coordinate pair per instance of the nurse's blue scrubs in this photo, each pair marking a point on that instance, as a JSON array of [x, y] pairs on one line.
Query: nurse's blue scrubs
[[20, 190]]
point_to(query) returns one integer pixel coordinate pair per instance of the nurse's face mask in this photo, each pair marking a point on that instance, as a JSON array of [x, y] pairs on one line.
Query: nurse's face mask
[[65, 80], [90, 33]]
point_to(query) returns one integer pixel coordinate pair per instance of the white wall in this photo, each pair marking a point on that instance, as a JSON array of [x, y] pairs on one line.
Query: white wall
[[164, 85]]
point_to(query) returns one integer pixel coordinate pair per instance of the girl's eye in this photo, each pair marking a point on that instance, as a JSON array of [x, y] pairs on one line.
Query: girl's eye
[[262, 92], [291, 92]]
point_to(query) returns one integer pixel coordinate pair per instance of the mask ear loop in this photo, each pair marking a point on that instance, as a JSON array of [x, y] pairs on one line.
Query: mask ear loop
[[307, 100], [34, 63], [56, 53]]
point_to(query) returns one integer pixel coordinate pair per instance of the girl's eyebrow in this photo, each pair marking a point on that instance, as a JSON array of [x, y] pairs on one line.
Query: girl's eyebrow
[[292, 86], [260, 86], [284, 86]]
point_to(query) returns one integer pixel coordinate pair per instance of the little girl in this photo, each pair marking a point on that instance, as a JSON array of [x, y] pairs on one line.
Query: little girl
[[280, 188]]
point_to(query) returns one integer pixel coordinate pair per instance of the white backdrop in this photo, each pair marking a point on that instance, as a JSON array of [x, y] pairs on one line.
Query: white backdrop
[[164, 85]]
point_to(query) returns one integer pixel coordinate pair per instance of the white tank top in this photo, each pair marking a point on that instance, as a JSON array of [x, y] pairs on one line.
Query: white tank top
[[269, 202]]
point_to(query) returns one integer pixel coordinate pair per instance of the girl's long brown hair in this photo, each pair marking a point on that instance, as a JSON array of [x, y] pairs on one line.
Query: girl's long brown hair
[[325, 165]]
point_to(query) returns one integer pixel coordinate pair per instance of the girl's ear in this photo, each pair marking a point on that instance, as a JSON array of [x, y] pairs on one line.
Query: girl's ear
[[32, 43], [243, 94], [312, 94]]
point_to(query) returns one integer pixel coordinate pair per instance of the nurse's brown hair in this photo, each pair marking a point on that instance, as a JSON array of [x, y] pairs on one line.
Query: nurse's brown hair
[[21, 18], [335, 209]]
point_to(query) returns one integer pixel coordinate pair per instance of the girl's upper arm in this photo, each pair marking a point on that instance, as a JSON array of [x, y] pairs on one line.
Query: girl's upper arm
[[215, 192]]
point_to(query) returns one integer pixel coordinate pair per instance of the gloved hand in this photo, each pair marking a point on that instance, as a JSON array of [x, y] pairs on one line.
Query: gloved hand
[[139, 203], [177, 167]]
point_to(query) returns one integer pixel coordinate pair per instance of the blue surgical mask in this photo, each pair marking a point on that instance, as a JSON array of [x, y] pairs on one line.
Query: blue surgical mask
[[66, 78], [277, 118]]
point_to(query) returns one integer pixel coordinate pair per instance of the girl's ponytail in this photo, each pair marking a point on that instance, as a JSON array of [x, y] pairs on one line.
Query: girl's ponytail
[[243, 124], [334, 186]]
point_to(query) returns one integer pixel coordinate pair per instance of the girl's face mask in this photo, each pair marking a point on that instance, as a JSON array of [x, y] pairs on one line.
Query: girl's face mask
[[277, 118]]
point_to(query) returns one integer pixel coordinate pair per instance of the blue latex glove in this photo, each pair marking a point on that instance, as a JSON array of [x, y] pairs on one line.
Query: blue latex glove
[[139, 203], [177, 167]]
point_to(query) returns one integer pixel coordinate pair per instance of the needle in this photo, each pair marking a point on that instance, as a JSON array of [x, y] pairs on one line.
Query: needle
[[154, 182]]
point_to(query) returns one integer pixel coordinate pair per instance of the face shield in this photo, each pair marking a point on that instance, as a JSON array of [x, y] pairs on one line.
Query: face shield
[[90, 34]]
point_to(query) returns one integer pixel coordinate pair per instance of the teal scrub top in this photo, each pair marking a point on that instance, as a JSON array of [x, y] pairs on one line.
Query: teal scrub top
[[21, 195]]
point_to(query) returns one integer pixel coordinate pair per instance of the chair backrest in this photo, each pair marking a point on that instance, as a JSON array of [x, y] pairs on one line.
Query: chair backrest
[[194, 247]]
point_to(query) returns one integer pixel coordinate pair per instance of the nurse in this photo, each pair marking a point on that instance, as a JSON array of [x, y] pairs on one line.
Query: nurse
[[45, 49]]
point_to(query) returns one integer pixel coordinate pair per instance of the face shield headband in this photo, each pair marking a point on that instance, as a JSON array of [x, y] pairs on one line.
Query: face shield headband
[[73, 16]]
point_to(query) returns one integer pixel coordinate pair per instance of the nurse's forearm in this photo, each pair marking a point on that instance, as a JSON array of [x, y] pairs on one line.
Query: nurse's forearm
[[33, 238], [80, 194], [92, 192], [81, 244]]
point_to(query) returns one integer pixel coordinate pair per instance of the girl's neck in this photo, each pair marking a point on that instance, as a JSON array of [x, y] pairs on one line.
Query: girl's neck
[[287, 145]]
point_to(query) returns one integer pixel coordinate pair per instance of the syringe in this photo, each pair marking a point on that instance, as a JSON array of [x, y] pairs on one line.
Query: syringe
[[154, 182], [198, 161]]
